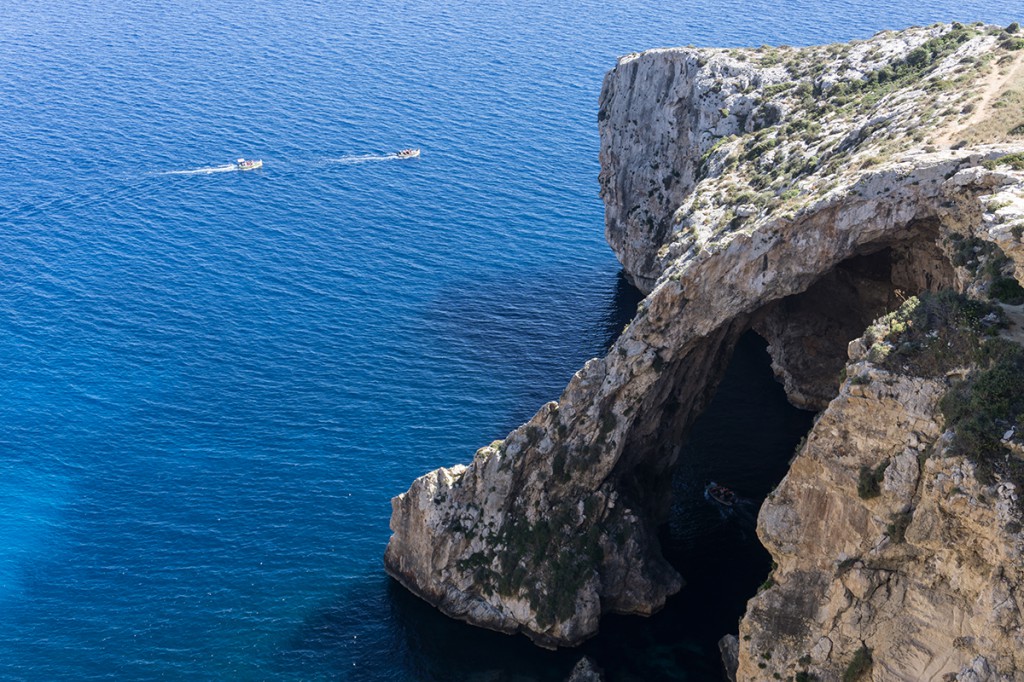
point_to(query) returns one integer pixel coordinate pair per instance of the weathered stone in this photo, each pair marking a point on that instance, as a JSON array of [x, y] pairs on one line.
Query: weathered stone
[[543, 532], [915, 601], [586, 670], [729, 649]]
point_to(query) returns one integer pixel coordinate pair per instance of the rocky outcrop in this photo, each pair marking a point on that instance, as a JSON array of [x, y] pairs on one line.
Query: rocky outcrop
[[674, 123], [774, 190], [659, 113], [729, 649], [887, 543], [586, 671]]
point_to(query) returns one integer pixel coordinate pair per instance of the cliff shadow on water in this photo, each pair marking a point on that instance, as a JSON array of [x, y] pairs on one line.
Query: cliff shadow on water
[[621, 309]]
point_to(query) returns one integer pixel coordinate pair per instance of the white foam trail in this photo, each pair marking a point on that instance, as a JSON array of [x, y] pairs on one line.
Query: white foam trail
[[204, 171], [364, 158]]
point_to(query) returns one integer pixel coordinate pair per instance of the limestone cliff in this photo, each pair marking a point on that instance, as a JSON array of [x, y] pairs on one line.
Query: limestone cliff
[[801, 193], [897, 552]]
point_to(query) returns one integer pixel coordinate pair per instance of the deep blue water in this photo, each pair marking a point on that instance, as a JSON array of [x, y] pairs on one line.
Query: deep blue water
[[211, 384]]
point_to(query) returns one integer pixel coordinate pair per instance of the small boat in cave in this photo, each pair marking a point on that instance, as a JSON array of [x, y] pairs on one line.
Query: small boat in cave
[[720, 494]]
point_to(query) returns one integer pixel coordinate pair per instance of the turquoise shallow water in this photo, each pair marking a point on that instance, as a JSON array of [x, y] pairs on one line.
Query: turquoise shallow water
[[211, 383]]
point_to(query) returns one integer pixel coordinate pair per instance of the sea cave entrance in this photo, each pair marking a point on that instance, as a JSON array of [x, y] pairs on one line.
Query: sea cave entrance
[[759, 405], [745, 438]]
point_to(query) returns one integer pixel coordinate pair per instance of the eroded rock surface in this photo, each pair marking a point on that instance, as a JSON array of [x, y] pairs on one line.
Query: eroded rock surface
[[885, 541], [781, 190]]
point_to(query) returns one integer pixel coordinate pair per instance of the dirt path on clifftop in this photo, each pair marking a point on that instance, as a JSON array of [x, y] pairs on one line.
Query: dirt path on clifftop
[[994, 86]]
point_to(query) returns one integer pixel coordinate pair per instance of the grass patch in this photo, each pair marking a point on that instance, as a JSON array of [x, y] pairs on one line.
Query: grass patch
[[1008, 99], [1000, 121]]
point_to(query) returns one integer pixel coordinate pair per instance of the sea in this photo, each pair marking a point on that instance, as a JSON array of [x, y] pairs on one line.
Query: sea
[[212, 382]]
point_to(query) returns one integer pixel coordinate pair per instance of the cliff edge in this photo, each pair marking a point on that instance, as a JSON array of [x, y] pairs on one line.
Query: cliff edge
[[802, 193]]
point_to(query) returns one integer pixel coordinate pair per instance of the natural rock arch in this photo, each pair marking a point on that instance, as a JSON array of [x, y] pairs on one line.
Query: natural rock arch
[[546, 530]]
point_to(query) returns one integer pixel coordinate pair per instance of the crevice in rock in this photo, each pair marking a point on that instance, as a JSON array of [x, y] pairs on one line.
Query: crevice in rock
[[686, 385]]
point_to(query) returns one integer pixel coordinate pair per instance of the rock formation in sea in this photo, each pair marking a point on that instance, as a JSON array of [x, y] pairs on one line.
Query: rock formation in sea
[[807, 194]]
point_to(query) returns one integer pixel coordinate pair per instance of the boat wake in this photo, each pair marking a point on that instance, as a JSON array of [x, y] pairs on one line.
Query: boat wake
[[350, 160], [204, 171], [363, 158]]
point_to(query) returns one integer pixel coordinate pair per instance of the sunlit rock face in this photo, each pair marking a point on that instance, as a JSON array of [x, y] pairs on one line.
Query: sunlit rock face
[[781, 190]]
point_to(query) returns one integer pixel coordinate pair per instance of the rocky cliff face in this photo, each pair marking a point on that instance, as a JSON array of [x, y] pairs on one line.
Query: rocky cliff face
[[694, 140], [788, 191], [890, 548]]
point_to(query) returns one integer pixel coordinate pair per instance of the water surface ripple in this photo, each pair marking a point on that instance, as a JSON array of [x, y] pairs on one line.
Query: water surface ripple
[[212, 382]]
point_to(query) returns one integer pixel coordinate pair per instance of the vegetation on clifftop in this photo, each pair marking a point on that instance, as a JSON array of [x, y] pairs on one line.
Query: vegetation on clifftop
[[901, 72], [946, 334], [1014, 161], [932, 334], [844, 109], [986, 411]]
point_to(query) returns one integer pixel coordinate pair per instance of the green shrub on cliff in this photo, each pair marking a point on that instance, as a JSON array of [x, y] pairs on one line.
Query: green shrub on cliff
[[859, 666], [1007, 290], [969, 252], [897, 526], [932, 334], [987, 259], [869, 484], [902, 72], [982, 408], [1014, 161]]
